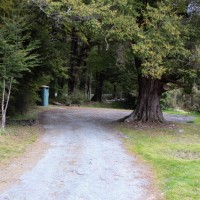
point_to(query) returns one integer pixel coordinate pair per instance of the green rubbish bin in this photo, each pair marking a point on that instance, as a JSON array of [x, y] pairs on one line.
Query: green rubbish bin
[[45, 95]]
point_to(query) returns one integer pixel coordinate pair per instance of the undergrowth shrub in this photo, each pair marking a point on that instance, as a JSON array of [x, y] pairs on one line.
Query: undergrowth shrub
[[77, 98], [178, 98]]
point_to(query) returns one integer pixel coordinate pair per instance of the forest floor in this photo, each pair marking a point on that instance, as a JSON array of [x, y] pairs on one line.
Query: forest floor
[[81, 155]]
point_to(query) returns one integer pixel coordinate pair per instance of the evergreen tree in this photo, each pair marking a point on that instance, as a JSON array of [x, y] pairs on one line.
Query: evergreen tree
[[161, 57]]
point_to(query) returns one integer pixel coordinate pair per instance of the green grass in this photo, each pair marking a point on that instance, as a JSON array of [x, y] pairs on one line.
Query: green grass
[[174, 154], [16, 138], [31, 114], [197, 117], [176, 112]]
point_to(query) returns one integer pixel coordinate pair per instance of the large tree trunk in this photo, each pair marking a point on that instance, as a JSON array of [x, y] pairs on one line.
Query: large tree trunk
[[148, 109]]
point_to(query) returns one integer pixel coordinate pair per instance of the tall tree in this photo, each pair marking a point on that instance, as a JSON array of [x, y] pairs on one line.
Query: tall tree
[[16, 56], [161, 57], [88, 23]]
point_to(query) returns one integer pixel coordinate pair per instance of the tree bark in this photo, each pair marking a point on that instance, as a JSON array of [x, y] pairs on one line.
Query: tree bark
[[4, 103], [88, 85], [3, 119], [73, 71], [148, 109], [114, 95], [77, 57], [99, 87]]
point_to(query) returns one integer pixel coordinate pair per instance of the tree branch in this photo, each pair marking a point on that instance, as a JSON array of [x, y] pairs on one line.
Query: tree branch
[[106, 39], [9, 91], [3, 96]]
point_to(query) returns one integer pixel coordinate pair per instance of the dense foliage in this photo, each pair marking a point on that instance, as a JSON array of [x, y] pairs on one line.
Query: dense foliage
[[85, 47]]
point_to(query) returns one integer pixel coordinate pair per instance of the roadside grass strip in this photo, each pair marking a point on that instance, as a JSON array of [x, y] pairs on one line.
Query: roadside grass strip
[[30, 114], [15, 140], [174, 153]]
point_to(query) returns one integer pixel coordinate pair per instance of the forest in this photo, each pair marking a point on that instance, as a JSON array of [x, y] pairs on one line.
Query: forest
[[140, 56], [146, 53]]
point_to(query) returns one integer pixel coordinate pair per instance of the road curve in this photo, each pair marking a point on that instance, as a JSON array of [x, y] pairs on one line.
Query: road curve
[[85, 161]]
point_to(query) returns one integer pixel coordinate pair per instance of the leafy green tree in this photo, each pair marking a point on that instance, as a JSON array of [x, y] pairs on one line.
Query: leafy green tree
[[103, 67], [161, 57], [157, 32], [15, 58], [113, 66], [5, 6], [53, 50], [88, 23]]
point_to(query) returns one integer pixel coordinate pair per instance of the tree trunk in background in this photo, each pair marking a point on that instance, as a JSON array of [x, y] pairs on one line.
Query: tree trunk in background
[[77, 57], [73, 71], [89, 91], [192, 100], [121, 95], [3, 114], [114, 96], [99, 87], [88, 85]]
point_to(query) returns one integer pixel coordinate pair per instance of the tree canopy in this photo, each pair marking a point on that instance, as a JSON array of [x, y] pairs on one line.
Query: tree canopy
[[77, 45]]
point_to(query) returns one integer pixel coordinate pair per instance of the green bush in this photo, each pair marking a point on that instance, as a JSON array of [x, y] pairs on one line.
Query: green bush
[[23, 98], [77, 98], [178, 98]]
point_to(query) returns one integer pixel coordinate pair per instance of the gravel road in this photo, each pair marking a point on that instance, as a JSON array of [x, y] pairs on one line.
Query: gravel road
[[85, 161]]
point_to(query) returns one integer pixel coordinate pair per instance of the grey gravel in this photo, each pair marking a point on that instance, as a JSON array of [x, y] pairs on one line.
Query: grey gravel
[[86, 161], [178, 118]]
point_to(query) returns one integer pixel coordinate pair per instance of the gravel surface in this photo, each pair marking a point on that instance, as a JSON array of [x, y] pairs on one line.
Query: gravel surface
[[85, 161], [178, 118]]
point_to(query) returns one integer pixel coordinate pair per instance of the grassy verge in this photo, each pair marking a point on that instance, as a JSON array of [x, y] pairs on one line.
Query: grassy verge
[[197, 118], [17, 137], [31, 114], [174, 153], [15, 141]]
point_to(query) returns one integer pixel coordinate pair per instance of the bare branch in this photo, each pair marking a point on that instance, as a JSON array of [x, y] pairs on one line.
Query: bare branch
[[106, 39], [40, 5]]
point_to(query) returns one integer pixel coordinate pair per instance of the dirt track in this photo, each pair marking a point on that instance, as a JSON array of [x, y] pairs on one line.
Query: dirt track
[[85, 161]]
